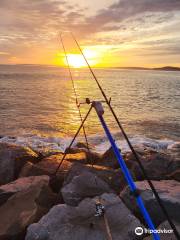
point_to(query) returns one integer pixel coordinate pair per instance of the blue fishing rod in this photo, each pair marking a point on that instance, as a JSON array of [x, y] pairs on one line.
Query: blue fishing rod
[[100, 111], [137, 159], [166, 214]]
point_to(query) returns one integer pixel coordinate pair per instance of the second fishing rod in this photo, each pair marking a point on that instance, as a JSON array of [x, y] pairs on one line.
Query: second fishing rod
[[129, 143]]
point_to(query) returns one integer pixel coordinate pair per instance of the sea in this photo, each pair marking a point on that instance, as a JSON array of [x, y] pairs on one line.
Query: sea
[[38, 106]]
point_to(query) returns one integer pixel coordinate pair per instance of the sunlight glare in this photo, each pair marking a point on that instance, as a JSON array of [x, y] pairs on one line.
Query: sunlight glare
[[76, 60]]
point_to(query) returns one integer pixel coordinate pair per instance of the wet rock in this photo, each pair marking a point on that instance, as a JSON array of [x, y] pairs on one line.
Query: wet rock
[[23, 184], [168, 232], [48, 166], [31, 199], [31, 169], [109, 159], [66, 223], [56, 159], [174, 175], [158, 165], [12, 159], [174, 165], [73, 150], [82, 186], [169, 192], [112, 177], [90, 156], [75, 170], [81, 145]]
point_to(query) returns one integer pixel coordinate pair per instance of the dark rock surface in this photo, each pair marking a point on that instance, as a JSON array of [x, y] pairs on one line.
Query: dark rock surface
[[82, 186], [31, 199], [67, 223], [169, 192], [158, 165], [12, 159], [113, 177]]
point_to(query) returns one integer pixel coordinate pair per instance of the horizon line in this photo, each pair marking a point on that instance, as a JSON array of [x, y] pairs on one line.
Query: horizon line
[[122, 67]]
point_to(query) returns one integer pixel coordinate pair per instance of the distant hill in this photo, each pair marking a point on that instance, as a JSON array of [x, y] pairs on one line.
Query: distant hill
[[166, 68]]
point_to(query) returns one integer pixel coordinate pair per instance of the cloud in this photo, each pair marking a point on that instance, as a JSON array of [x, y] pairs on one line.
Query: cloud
[[4, 53], [28, 26], [125, 9]]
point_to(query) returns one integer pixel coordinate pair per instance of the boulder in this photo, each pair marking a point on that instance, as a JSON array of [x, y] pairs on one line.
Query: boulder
[[169, 192], [174, 175], [48, 167], [109, 159], [174, 165], [49, 164], [75, 170], [90, 156], [113, 177], [22, 184], [158, 165], [82, 186], [66, 222], [12, 159], [81, 145], [168, 232], [31, 199]]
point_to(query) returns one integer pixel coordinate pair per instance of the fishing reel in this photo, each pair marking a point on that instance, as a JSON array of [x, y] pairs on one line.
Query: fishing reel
[[100, 210]]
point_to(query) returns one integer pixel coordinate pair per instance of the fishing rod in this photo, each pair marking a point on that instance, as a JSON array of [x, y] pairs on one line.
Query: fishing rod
[[100, 111], [75, 93], [129, 143], [97, 105]]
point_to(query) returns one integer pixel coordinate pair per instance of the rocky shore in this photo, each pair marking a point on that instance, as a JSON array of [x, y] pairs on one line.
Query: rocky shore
[[34, 205]]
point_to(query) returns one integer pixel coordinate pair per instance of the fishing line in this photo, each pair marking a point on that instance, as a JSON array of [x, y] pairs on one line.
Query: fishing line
[[75, 93], [129, 143], [72, 141], [108, 231]]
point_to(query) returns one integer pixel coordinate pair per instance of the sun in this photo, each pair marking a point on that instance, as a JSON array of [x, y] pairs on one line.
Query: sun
[[76, 60]]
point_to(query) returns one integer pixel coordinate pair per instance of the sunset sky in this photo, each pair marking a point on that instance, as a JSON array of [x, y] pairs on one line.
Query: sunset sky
[[112, 33]]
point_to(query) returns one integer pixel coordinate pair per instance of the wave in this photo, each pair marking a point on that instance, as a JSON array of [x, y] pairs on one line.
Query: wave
[[99, 143]]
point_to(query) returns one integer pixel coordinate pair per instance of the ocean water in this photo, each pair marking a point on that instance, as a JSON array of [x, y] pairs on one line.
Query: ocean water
[[37, 105]]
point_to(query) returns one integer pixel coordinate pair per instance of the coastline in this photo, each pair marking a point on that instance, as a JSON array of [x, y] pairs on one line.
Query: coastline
[[163, 68], [26, 171]]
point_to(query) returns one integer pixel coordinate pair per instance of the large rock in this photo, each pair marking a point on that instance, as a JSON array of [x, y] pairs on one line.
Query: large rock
[[169, 192], [158, 165], [174, 167], [31, 199], [22, 184], [109, 159], [168, 232], [12, 159], [82, 186], [113, 177], [91, 157], [174, 175], [66, 223], [48, 166]]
